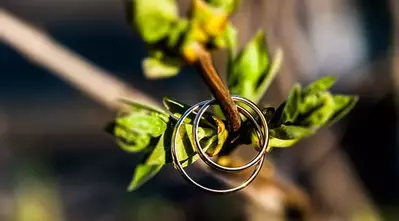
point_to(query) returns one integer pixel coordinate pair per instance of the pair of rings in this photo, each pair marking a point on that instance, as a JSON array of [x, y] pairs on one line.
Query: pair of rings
[[258, 160]]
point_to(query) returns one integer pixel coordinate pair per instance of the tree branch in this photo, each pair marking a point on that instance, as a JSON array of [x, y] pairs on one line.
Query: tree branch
[[39, 48]]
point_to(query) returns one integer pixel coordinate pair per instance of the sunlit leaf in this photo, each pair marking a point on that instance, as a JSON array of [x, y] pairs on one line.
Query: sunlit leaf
[[284, 136], [177, 34], [268, 77], [321, 84], [142, 124], [291, 108], [146, 109], [316, 109], [249, 67], [156, 68], [177, 109], [134, 130], [161, 153], [290, 132], [343, 104], [131, 141], [153, 19], [142, 174]]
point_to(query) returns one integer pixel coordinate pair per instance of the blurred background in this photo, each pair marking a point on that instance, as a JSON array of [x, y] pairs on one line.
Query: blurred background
[[57, 163]]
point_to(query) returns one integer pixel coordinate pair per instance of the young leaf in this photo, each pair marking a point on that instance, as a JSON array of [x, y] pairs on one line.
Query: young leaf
[[342, 105], [284, 136], [316, 109], [133, 130], [209, 144], [291, 108], [177, 35], [142, 174], [146, 109], [156, 68], [130, 141], [153, 19], [161, 153], [231, 43], [249, 68], [177, 109], [271, 73], [290, 132], [142, 124], [321, 84], [221, 137]]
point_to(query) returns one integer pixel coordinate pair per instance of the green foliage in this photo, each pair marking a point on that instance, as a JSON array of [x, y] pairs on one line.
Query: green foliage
[[149, 130], [170, 38], [306, 111], [250, 71], [142, 174], [153, 19]]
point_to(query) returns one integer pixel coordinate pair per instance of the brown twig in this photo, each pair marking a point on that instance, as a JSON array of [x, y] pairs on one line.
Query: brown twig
[[218, 89]]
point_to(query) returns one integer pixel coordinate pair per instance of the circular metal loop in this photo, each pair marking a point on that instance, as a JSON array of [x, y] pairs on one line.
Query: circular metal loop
[[263, 138], [263, 150]]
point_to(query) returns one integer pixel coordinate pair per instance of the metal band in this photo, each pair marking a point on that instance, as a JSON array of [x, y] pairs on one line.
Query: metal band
[[258, 160]]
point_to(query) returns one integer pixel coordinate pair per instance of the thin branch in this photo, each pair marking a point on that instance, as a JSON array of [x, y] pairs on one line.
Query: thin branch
[[79, 72], [105, 89], [218, 89]]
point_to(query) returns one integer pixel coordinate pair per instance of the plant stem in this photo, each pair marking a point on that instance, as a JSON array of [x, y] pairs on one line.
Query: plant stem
[[218, 89]]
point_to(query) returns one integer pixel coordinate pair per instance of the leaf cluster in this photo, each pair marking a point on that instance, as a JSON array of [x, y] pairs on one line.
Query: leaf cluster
[[148, 130], [305, 111], [171, 41]]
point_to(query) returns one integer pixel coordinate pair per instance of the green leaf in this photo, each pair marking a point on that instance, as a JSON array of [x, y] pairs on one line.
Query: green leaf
[[268, 78], [290, 132], [161, 153], [134, 130], [142, 174], [143, 124], [177, 109], [291, 108], [156, 68], [231, 43], [249, 68], [177, 35], [321, 84], [146, 109], [316, 109], [153, 19], [284, 136], [208, 144], [130, 141], [343, 104]]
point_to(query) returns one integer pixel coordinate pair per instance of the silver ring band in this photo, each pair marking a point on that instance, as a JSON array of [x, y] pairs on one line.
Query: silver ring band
[[259, 160]]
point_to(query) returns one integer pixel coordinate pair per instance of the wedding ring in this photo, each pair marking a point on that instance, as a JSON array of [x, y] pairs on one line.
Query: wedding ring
[[258, 160]]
